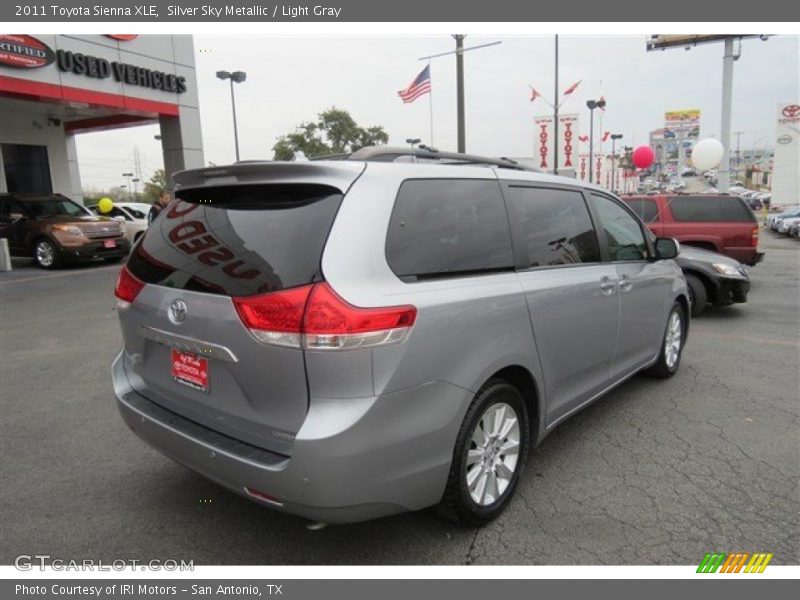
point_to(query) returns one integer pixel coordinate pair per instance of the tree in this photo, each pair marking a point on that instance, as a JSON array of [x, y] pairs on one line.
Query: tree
[[156, 186], [334, 132]]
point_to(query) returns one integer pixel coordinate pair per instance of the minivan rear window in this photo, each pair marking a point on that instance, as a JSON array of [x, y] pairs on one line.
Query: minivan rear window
[[448, 227], [238, 240], [709, 209]]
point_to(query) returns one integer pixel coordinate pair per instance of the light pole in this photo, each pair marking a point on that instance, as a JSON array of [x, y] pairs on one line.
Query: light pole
[[555, 114], [235, 77], [591, 105], [614, 138]]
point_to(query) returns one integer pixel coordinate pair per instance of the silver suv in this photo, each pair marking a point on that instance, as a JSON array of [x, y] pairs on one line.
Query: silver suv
[[347, 339]]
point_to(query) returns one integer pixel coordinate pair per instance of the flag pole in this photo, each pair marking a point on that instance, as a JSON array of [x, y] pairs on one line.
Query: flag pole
[[430, 101]]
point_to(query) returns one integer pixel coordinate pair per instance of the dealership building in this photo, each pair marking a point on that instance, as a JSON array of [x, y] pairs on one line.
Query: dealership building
[[54, 87]]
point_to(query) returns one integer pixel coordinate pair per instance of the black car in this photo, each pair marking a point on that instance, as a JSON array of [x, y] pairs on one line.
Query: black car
[[712, 278]]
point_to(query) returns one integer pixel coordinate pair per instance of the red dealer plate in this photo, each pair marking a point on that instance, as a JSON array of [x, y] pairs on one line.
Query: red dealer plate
[[190, 369], [109, 243]]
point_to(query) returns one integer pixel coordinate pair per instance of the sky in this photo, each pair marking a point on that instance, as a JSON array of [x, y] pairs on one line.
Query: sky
[[290, 79]]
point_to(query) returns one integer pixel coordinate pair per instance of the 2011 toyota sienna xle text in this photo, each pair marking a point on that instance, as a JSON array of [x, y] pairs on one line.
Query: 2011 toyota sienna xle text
[[346, 339]]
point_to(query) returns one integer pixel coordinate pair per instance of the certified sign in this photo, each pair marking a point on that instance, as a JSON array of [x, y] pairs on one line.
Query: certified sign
[[24, 52]]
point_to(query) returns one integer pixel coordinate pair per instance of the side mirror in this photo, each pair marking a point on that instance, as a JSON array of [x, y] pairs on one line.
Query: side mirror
[[667, 248]]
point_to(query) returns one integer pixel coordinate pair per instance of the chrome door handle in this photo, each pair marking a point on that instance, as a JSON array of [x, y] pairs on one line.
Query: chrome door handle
[[625, 284], [607, 286]]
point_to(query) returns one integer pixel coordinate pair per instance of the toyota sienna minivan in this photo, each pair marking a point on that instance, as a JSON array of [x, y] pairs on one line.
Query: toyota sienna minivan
[[388, 331]]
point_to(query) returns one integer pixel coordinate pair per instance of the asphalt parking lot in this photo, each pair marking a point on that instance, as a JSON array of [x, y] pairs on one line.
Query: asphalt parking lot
[[658, 472]]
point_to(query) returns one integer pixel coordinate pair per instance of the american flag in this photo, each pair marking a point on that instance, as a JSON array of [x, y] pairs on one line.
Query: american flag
[[419, 87]]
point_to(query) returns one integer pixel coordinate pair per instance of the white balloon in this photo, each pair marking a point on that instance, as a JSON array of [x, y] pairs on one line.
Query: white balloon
[[707, 154]]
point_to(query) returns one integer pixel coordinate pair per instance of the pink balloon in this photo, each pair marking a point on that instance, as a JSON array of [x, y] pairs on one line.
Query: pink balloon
[[643, 157]]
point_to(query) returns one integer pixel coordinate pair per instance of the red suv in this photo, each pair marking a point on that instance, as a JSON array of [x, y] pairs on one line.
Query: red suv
[[720, 223]]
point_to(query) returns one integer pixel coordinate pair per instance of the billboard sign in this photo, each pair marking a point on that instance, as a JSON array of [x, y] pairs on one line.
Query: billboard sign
[[682, 124]]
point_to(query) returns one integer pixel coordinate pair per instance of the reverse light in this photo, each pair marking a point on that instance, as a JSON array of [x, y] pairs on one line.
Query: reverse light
[[128, 286], [315, 317]]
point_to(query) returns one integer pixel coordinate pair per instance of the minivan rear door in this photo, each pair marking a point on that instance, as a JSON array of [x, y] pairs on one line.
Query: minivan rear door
[[243, 233]]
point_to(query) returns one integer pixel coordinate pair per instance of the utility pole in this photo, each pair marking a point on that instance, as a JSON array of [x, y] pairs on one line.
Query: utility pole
[[462, 143], [555, 115], [459, 52], [728, 57]]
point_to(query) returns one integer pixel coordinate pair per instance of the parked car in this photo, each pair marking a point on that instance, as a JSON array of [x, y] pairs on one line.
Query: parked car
[[53, 229], [712, 278], [719, 223], [348, 339], [132, 214], [794, 230], [785, 224], [773, 220]]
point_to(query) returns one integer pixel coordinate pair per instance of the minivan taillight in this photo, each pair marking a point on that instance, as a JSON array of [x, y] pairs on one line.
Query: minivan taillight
[[315, 317], [128, 286], [754, 237]]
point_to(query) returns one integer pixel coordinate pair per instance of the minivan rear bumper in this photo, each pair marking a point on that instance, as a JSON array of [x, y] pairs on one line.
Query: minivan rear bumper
[[352, 460]]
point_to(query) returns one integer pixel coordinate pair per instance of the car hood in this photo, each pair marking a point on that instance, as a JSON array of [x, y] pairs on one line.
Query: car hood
[[694, 255], [69, 219]]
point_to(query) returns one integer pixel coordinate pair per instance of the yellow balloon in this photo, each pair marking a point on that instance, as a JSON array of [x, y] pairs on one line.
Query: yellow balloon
[[104, 205]]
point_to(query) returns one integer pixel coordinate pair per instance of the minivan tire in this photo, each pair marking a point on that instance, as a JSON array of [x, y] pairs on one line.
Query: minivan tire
[[698, 296], [667, 366], [44, 249], [457, 503]]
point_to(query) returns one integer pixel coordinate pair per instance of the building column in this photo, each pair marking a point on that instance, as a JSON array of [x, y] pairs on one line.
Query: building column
[[181, 142]]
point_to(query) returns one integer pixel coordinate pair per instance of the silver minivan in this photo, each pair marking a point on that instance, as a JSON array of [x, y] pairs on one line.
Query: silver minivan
[[346, 339]]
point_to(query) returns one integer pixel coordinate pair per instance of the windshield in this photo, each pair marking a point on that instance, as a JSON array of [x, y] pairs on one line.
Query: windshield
[[55, 206]]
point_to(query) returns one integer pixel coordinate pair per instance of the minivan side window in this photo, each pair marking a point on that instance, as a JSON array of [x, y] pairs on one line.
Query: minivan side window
[[624, 236], [448, 227], [555, 225]]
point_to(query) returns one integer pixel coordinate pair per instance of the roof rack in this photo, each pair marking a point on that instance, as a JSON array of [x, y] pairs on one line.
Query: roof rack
[[391, 154]]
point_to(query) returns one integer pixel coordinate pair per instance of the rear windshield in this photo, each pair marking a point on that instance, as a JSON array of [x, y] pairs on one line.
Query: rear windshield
[[238, 240], [710, 208]]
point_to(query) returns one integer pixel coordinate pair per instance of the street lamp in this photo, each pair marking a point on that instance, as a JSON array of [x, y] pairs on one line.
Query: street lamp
[[591, 105], [614, 138], [235, 77]]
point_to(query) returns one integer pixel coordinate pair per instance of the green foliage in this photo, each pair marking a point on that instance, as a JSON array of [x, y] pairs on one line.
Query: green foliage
[[155, 187], [334, 132]]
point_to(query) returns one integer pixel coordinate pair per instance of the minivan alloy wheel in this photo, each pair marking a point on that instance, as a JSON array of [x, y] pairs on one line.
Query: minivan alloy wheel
[[672, 341], [493, 455]]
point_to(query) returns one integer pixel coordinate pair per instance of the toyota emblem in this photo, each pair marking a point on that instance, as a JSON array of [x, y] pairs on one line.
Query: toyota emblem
[[177, 311], [791, 111]]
